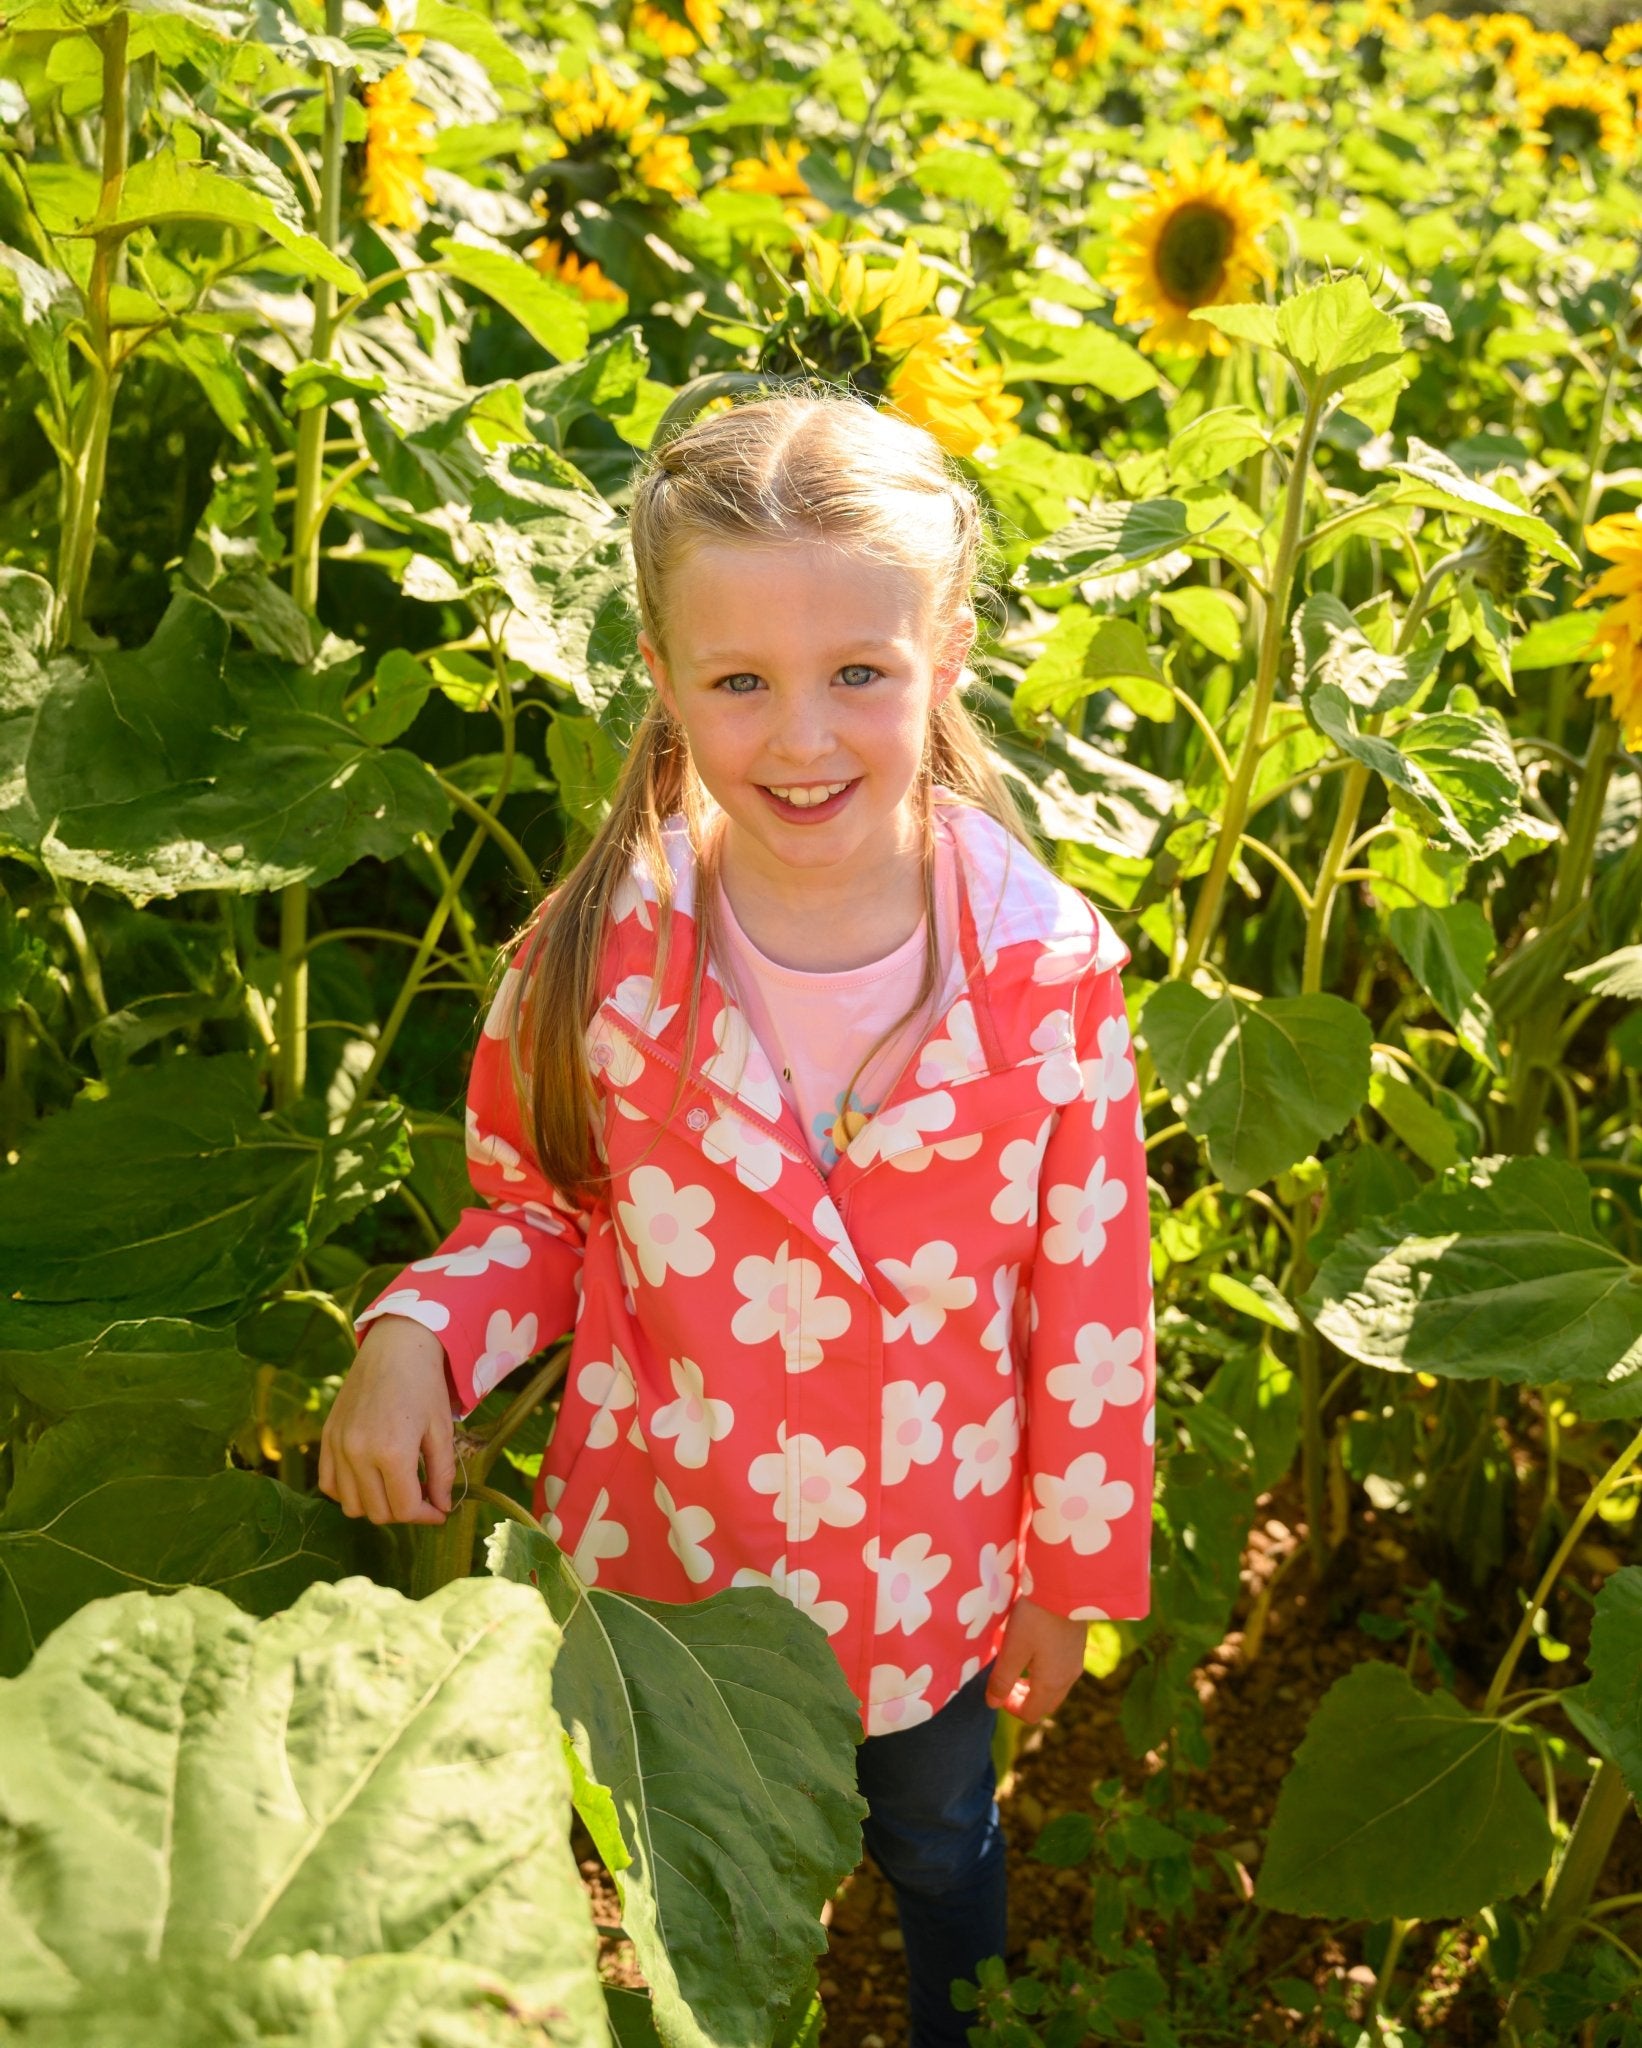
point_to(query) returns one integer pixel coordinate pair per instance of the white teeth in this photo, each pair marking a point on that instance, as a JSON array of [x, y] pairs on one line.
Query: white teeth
[[807, 799]]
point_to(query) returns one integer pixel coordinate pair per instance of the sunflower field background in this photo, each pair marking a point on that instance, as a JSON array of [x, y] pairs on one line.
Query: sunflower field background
[[1295, 349]]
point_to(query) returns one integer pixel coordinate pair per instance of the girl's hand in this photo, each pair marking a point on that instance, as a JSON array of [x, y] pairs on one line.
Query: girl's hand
[[393, 1409], [1039, 1661]]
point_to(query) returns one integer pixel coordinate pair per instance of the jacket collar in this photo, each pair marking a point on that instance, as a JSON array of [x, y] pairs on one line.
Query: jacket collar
[[1022, 933]]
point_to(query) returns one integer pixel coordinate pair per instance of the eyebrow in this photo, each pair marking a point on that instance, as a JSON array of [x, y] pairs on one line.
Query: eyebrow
[[729, 656]]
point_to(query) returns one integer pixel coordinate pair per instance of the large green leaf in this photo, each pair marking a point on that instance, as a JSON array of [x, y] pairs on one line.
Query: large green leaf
[[1616, 1670], [1333, 333], [187, 1796], [1071, 349], [549, 312], [1214, 441], [303, 2001], [1448, 948], [199, 1373], [126, 1498], [1436, 480], [560, 557], [717, 1739], [1496, 1271], [475, 35], [184, 765], [1453, 772], [166, 188], [184, 1201], [1260, 1082], [1401, 1803], [26, 677], [1085, 652], [1335, 649], [1120, 535]]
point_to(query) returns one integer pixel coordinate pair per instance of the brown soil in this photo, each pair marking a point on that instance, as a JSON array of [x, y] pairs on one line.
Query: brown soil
[[1289, 1644]]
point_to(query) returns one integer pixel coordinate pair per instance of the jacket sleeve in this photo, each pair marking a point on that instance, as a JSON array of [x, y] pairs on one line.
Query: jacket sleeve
[[506, 1281], [1091, 1358]]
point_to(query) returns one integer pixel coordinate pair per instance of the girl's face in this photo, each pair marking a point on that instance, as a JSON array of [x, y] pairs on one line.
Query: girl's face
[[805, 678]]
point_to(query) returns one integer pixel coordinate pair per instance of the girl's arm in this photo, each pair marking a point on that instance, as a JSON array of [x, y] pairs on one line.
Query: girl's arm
[[504, 1282], [1091, 1361]]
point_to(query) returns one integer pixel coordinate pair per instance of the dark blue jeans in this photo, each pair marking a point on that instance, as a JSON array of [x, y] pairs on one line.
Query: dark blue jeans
[[933, 1830]]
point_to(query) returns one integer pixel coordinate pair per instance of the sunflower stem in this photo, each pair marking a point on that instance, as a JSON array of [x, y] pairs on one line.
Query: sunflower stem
[[307, 520], [1206, 911]]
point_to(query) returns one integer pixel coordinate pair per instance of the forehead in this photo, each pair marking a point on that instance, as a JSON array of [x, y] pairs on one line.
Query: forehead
[[732, 600]]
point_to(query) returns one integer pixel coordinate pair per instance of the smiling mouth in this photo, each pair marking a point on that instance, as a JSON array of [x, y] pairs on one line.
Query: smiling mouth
[[805, 796]]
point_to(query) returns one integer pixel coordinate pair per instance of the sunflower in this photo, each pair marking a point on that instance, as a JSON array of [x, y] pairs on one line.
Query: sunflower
[[398, 135], [1452, 37], [666, 165], [988, 25], [1626, 41], [1617, 674], [1576, 114], [1194, 242], [1510, 33], [777, 173], [595, 107], [924, 362], [677, 32], [1214, 13], [962, 402], [1387, 19], [581, 273], [596, 116], [1107, 19]]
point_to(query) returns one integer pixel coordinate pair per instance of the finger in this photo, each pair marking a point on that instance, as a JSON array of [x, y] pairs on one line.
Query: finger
[[402, 1491], [347, 1489], [1007, 1678], [439, 1462], [1017, 1700], [373, 1501], [327, 1472]]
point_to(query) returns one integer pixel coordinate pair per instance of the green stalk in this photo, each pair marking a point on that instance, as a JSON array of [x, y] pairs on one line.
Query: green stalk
[[1355, 788], [452, 890], [1206, 911], [1534, 1044], [84, 496], [442, 1552], [14, 1103], [1556, 711], [1383, 1976], [1548, 1578], [1606, 1803], [307, 521]]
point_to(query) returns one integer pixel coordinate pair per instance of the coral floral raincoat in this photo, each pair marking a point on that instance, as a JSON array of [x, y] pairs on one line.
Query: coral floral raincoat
[[900, 1393]]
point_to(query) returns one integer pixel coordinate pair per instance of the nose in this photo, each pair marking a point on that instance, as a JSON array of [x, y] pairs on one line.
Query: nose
[[804, 733]]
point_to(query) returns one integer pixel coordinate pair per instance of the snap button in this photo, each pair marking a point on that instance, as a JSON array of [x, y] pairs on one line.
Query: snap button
[[697, 1119]]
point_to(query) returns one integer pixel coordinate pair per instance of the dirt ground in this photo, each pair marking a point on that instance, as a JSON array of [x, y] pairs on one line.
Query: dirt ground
[[1258, 1691]]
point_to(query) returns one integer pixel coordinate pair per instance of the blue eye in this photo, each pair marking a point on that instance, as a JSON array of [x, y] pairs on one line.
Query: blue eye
[[860, 668], [729, 683]]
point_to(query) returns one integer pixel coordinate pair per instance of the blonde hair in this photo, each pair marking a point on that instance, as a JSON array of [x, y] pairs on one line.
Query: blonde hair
[[817, 464]]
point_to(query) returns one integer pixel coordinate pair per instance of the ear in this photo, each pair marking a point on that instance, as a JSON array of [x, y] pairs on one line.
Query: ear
[[658, 673], [960, 639]]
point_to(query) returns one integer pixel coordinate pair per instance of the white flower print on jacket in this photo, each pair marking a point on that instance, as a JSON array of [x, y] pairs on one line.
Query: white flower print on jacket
[[810, 1484], [783, 1300], [693, 1421], [932, 1285], [1103, 1372], [903, 1393]]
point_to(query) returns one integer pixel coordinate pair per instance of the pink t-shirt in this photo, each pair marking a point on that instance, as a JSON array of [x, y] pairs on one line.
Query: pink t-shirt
[[816, 1027]]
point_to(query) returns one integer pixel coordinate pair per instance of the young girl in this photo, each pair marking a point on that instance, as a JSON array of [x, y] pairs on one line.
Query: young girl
[[808, 1101]]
